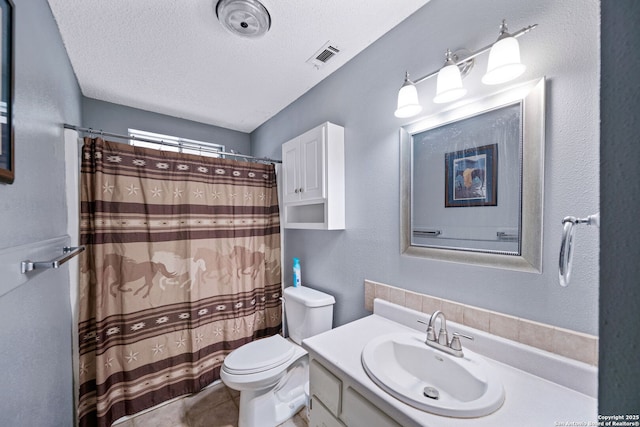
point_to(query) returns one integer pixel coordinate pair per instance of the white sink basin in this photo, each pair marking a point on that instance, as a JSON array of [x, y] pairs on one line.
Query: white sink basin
[[405, 367]]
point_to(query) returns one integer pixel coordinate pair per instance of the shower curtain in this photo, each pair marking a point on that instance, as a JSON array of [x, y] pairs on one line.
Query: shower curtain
[[182, 266]]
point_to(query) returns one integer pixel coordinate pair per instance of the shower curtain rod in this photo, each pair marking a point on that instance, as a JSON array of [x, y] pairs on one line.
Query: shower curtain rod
[[168, 143]]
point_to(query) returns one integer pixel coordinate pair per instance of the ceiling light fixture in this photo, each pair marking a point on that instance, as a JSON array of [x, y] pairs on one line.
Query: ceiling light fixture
[[245, 18], [504, 65]]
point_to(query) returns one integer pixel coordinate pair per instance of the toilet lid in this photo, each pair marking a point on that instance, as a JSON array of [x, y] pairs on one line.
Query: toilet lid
[[259, 355]]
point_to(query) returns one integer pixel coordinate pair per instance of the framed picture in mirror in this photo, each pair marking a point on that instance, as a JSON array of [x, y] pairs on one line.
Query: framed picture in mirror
[[471, 177]]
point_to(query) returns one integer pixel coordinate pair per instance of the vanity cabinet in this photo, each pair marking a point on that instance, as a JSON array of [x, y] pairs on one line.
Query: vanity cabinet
[[335, 403], [313, 179]]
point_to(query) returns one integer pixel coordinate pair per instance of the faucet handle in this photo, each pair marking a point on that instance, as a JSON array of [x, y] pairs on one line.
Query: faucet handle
[[458, 334], [455, 341], [431, 335]]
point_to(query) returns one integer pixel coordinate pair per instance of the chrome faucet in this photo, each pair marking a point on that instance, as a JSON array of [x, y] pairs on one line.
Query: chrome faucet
[[453, 347]]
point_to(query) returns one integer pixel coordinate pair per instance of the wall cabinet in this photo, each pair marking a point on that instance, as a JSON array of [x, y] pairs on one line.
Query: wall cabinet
[[313, 179], [335, 403]]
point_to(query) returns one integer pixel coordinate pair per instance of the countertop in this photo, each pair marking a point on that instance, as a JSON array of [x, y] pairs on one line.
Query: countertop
[[530, 400]]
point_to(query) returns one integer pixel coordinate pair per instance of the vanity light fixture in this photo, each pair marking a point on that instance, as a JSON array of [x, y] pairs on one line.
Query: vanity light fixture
[[504, 65]]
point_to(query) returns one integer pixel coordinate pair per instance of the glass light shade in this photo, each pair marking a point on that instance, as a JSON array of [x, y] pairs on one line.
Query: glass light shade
[[449, 86], [504, 62], [408, 104]]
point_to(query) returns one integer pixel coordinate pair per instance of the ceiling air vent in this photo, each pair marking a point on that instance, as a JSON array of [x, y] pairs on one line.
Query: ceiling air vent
[[323, 55]]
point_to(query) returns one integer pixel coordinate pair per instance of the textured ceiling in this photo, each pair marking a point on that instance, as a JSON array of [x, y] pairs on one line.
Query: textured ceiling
[[174, 57]]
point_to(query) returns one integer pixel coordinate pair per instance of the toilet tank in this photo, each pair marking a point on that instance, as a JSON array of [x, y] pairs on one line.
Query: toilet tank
[[308, 312]]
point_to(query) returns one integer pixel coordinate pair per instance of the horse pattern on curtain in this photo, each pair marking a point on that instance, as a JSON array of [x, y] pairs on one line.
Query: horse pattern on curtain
[[182, 266]]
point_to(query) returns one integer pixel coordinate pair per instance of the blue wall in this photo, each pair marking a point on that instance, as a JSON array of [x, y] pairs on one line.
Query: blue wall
[[35, 354], [361, 96], [119, 119]]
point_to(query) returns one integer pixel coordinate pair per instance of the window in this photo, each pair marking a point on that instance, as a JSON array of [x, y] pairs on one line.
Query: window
[[174, 143]]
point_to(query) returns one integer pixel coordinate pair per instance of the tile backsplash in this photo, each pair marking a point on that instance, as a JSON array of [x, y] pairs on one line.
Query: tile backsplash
[[565, 342]]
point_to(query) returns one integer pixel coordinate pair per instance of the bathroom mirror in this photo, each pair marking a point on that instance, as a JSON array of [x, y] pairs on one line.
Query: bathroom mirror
[[471, 181]]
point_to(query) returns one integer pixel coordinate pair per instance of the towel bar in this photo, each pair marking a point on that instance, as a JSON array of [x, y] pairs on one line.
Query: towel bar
[[67, 254], [507, 237], [427, 233]]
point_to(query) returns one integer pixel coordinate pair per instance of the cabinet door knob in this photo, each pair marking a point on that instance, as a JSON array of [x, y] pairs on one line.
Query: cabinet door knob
[[301, 190], [295, 191]]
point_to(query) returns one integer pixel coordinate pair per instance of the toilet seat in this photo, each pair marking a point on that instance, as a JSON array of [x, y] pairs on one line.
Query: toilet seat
[[258, 356]]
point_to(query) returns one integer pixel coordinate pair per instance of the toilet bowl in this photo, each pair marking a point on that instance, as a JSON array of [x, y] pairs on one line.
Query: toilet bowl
[[271, 373]]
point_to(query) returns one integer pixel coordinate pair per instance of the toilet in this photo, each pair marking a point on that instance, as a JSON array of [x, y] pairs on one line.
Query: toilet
[[272, 373]]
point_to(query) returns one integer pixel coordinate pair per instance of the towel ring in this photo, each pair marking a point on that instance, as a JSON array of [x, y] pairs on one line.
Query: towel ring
[[566, 246]]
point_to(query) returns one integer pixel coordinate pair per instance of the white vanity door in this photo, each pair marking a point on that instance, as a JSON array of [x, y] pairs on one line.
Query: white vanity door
[[359, 412], [319, 416]]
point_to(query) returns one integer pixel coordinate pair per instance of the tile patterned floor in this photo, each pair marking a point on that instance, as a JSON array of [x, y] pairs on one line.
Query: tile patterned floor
[[216, 406]]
